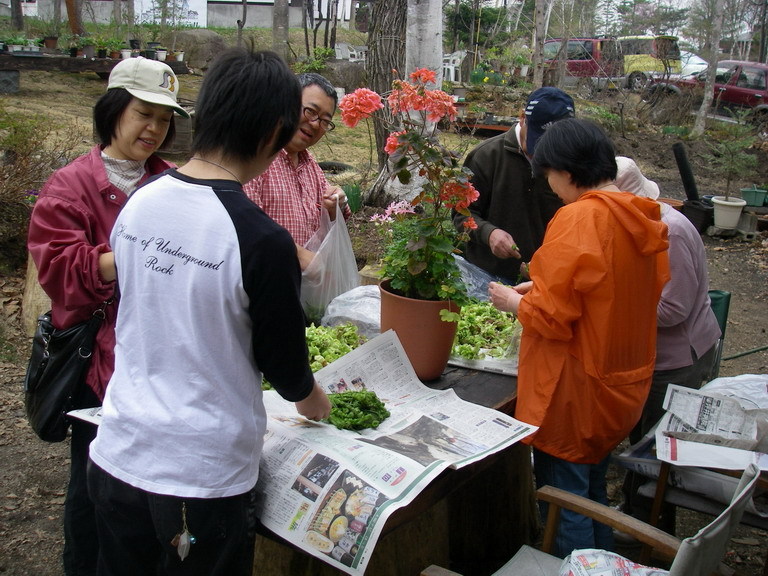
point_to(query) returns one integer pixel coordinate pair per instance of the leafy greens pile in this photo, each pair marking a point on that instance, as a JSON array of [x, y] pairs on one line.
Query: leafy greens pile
[[356, 410], [328, 343], [484, 332]]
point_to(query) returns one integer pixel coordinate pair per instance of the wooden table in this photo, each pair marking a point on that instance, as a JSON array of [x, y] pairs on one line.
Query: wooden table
[[62, 63], [472, 519], [12, 65]]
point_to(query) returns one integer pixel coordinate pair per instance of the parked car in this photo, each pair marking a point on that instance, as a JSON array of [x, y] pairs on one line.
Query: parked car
[[690, 63], [739, 85], [647, 57], [597, 59]]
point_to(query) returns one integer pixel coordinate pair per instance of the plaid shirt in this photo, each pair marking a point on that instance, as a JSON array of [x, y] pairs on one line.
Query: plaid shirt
[[292, 197]]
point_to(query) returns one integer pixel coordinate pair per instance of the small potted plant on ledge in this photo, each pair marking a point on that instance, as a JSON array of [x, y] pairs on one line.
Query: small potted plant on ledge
[[51, 33], [730, 156], [16, 43], [88, 46]]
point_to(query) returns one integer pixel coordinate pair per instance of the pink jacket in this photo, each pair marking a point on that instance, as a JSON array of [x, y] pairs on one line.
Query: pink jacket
[[69, 230]]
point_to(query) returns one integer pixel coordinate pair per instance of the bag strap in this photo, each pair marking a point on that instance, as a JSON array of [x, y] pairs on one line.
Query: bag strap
[[89, 336]]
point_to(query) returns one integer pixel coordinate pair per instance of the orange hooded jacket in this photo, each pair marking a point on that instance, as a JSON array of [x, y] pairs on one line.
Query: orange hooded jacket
[[589, 324]]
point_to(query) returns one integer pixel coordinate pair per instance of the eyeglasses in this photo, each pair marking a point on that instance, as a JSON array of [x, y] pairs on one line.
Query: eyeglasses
[[312, 115]]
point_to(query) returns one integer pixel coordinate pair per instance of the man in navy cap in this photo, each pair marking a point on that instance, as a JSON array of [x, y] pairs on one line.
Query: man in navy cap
[[513, 208]]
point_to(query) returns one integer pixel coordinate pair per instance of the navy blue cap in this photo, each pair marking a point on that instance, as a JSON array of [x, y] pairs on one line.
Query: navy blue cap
[[545, 106]]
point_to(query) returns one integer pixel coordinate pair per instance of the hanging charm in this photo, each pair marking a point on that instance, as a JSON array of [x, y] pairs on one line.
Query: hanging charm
[[183, 541]]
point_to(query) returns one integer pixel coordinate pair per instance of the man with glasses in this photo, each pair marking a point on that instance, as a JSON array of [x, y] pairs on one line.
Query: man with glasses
[[294, 190]]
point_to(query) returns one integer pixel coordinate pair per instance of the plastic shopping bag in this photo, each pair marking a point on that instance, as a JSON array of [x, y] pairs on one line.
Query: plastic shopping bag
[[333, 269], [592, 562]]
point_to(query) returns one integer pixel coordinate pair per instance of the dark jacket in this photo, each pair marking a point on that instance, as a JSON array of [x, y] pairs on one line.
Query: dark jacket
[[510, 199]]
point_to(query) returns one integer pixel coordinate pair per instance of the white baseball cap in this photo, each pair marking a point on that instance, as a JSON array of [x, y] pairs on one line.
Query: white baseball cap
[[148, 80], [630, 179]]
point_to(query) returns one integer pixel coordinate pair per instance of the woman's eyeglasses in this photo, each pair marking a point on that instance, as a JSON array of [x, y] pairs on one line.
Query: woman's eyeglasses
[[312, 115]]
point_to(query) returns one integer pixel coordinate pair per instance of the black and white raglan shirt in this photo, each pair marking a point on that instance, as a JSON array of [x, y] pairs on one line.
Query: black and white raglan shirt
[[209, 300]]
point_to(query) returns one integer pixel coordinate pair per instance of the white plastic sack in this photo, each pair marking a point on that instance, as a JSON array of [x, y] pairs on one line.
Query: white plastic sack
[[333, 269], [591, 562], [360, 306]]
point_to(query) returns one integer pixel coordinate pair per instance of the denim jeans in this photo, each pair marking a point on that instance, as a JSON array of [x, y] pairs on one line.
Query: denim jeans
[[81, 542], [588, 480], [136, 530]]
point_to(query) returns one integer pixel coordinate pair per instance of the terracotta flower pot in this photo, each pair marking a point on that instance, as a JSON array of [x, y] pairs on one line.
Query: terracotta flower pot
[[426, 339]]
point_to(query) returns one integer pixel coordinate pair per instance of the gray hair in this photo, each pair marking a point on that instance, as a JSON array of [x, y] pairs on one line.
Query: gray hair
[[314, 79]]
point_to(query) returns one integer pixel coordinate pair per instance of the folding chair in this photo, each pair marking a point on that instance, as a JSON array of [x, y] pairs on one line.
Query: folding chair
[[720, 301], [699, 555]]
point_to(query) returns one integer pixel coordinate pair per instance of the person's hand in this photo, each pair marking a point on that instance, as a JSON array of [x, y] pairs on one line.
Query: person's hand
[[524, 287], [107, 266], [502, 244], [504, 298], [329, 200], [316, 406], [305, 256]]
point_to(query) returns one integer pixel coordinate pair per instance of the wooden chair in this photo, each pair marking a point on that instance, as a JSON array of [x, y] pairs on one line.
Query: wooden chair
[[699, 555], [662, 492]]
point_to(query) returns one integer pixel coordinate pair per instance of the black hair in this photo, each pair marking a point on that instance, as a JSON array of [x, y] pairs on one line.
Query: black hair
[[110, 108], [315, 79], [579, 147], [245, 97]]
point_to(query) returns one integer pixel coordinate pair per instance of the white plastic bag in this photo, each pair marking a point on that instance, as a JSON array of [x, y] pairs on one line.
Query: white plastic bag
[[360, 306], [333, 269]]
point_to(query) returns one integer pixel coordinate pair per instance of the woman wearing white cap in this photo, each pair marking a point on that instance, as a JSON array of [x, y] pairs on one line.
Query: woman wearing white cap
[[687, 331], [69, 242]]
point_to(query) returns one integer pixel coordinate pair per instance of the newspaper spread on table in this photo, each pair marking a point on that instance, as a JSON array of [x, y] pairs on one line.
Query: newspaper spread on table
[[330, 492]]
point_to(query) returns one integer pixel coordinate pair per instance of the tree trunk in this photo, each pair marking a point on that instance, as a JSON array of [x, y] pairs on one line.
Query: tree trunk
[[538, 43], [117, 13], [317, 25], [386, 51], [332, 42], [709, 87], [130, 14], [424, 38], [74, 17], [352, 15], [241, 23], [280, 28], [17, 16], [305, 22]]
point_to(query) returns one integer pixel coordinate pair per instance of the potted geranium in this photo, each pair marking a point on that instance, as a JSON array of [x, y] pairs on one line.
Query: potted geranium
[[419, 263]]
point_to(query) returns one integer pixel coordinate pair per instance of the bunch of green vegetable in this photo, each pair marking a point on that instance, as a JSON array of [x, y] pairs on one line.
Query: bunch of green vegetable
[[356, 410], [483, 332], [328, 343]]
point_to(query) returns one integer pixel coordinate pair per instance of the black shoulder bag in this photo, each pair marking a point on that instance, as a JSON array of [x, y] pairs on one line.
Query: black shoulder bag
[[57, 368]]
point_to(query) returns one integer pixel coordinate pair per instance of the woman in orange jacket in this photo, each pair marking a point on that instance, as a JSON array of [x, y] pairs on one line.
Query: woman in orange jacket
[[589, 320]]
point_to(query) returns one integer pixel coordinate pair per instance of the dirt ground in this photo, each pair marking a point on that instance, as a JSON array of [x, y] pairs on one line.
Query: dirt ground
[[33, 474]]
